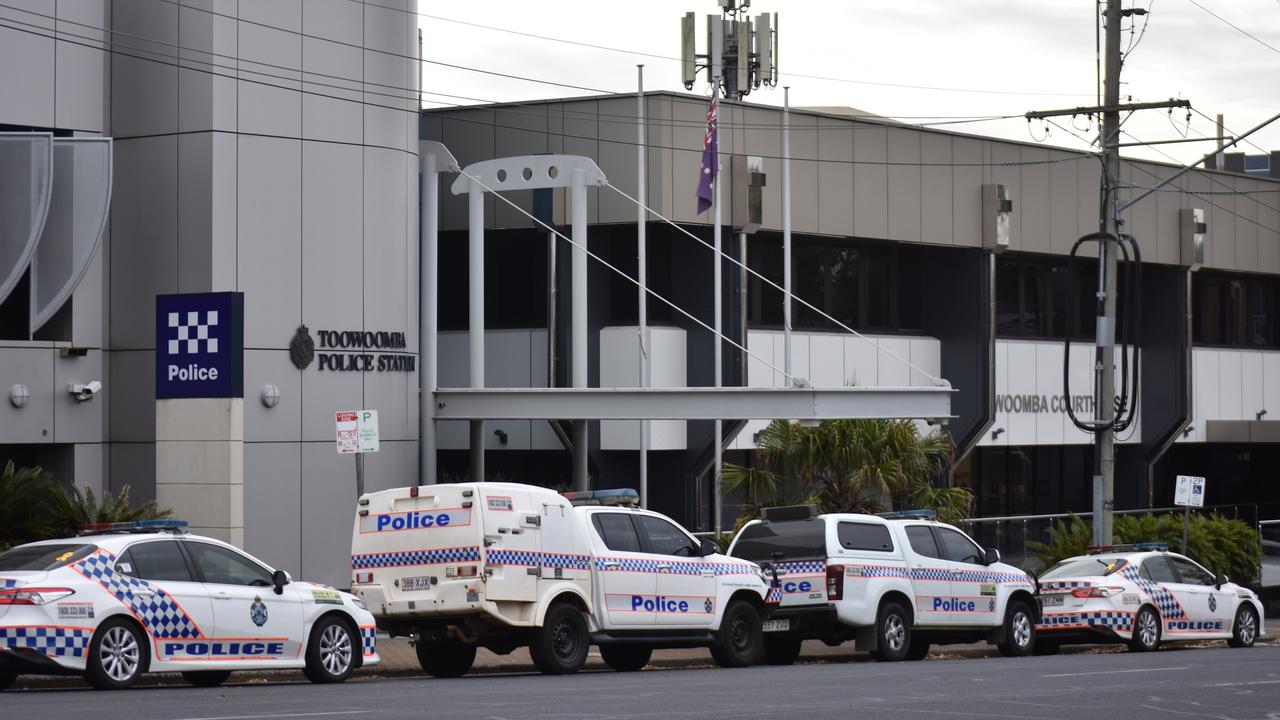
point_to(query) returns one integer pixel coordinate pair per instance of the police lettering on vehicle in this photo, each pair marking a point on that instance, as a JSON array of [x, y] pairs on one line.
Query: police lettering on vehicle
[[412, 521], [803, 586], [223, 649], [641, 603], [953, 605], [1195, 625]]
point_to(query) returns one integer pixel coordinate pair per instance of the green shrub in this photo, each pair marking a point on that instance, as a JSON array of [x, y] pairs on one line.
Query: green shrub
[[79, 509], [29, 504], [1223, 545]]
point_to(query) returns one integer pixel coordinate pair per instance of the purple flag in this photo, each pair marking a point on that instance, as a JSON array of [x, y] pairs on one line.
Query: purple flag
[[710, 157]]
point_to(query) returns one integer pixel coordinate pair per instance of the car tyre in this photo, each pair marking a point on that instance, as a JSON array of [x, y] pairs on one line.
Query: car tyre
[[560, 646], [626, 658], [7, 678], [1246, 628], [117, 655], [1146, 630], [448, 658], [206, 678], [919, 649], [893, 633], [1019, 630], [781, 650], [331, 651], [741, 639]]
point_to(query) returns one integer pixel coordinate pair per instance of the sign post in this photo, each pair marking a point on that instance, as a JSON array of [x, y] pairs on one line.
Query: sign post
[[357, 434], [1188, 493]]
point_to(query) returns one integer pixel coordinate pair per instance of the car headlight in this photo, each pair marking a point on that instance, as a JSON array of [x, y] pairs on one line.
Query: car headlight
[[359, 603]]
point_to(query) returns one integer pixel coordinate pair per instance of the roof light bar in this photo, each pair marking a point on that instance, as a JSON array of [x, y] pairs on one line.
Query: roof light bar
[[1129, 547], [615, 496], [135, 526], [922, 514]]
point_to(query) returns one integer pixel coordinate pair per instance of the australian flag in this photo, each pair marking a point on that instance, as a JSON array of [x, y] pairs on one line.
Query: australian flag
[[710, 157]]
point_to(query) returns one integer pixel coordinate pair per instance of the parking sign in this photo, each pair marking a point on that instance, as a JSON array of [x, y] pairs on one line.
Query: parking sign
[[1189, 491]]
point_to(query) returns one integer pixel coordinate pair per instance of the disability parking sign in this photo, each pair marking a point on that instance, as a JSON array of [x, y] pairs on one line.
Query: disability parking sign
[[200, 345]]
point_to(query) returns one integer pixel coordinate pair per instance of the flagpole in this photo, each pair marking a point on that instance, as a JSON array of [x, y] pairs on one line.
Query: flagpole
[[643, 315], [786, 234], [715, 94]]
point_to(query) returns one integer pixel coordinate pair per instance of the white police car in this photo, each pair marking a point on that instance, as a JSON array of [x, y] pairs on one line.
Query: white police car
[[148, 597], [1141, 594]]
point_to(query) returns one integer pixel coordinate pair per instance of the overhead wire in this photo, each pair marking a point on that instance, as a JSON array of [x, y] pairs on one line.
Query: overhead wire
[[1237, 28]]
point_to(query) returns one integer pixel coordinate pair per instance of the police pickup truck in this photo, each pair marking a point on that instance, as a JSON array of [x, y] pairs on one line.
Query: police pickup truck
[[893, 584], [504, 565]]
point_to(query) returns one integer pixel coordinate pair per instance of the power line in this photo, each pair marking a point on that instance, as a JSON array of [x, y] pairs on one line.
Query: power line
[[1237, 28], [1224, 129]]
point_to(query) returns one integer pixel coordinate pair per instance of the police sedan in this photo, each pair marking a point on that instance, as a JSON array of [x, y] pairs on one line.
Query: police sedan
[[148, 597], [1141, 595]]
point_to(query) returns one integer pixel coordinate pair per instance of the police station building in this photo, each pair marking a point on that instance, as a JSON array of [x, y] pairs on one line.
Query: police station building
[[183, 309]]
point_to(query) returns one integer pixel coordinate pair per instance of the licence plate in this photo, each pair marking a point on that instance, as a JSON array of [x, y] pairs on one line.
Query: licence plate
[[415, 583], [776, 625], [1051, 600]]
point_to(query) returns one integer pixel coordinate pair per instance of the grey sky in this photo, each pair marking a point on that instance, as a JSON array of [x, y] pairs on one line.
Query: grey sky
[[1034, 54]]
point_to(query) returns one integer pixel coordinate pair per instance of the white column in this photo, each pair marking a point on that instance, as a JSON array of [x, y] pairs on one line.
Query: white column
[[643, 310], [475, 273], [786, 233], [719, 424], [578, 348], [428, 219]]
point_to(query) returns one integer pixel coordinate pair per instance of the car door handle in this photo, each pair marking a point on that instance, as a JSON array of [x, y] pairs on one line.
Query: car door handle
[[611, 565], [708, 573], [663, 566], [222, 596], [144, 592], [957, 573]]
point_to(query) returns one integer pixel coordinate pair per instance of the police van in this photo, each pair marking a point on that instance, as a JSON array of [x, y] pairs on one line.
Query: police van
[[894, 584], [502, 565]]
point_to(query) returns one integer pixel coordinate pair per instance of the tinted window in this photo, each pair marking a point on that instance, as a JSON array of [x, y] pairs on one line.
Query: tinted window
[[42, 557], [775, 541], [1084, 567], [617, 531], [1157, 569], [159, 560], [665, 538], [921, 539], [864, 536], [1189, 572], [960, 548], [226, 567]]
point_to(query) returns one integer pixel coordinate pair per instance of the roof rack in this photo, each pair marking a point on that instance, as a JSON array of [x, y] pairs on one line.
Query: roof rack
[[790, 512], [922, 514], [1129, 547], [616, 496], [135, 526]]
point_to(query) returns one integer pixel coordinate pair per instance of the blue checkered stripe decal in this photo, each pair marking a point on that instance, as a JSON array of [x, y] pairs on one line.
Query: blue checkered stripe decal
[[415, 557], [1113, 619], [775, 595], [809, 567], [50, 641], [1168, 605], [6, 583], [1066, 585], [160, 615], [533, 558], [368, 640], [883, 571], [989, 576], [677, 568]]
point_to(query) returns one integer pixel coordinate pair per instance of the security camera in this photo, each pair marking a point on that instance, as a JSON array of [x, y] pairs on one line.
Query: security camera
[[85, 392]]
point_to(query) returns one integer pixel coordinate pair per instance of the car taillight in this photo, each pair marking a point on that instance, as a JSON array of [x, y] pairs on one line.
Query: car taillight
[[33, 596], [364, 577], [835, 582], [461, 571], [1097, 592]]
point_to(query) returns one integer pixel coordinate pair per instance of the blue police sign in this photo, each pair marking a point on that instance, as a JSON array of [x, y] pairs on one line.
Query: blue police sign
[[200, 345]]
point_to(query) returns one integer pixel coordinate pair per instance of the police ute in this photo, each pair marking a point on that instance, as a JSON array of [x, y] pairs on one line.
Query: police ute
[[456, 567], [893, 584], [1142, 595], [128, 598]]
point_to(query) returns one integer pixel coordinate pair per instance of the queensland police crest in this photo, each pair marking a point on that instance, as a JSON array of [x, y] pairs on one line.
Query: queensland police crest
[[302, 349], [258, 612]]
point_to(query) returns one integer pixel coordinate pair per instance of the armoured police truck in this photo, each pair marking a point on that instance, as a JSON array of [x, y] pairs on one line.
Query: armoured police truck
[[461, 566]]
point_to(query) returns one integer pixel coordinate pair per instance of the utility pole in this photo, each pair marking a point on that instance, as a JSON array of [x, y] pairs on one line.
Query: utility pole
[[1104, 479]]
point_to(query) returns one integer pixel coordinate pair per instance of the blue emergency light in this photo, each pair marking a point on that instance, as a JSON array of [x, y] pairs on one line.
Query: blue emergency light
[[136, 526], [924, 514], [616, 496]]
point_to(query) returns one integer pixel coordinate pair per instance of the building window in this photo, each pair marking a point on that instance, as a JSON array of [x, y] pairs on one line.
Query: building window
[[1233, 310], [1032, 297]]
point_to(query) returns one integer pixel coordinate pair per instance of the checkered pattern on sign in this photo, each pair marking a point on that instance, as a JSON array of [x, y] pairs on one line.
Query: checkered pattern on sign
[[808, 567], [415, 557], [677, 567], [160, 615], [533, 558], [51, 641], [1169, 607], [368, 639], [189, 332]]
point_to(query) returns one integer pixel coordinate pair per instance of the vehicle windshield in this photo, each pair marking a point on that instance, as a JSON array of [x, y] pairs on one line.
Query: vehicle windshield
[[1084, 567], [775, 541], [42, 557]]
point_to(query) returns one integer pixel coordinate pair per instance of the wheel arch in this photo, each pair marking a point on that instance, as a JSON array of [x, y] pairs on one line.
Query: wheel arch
[[1025, 596], [357, 649], [566, 592], [896, 594], [131, 619]]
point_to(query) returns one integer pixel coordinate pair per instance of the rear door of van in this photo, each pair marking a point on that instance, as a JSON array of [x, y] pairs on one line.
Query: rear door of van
[[512, 523]]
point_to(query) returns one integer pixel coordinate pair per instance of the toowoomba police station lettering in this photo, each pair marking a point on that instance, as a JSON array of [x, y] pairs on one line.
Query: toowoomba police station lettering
[[353, 351]]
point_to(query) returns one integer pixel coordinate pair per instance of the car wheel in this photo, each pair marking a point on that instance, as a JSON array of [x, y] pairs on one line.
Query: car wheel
[[445, 658], [1045, 647], [560, 646], [117, 655], [741, 641], [781, 650], [626, 658], [893, 633], [206, 678], [1246, 629], [1019, 630], [1146, 631], [918, 650], [330, 651], [7, 678]]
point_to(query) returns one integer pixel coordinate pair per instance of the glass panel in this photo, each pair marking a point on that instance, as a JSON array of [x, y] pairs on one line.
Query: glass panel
[[226, 567], [764, 255], [1189, 572], [808, 282], [960, 548], [1261, 313], [877, 311], [667, 539], [26, 184], [844, 285], [616, 531], [1031, 288], [782, 541], [864, 536], [1008, 304], [42, 557], [922, 542], [159, 560], [1157, 569]]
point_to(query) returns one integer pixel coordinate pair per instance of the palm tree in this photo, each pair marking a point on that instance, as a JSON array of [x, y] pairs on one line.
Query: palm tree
[[850, 466], [29, 501]]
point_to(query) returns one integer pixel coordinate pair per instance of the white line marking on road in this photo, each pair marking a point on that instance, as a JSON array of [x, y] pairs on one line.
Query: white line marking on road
[[1117, 672], [1252, 682], [281, 715]]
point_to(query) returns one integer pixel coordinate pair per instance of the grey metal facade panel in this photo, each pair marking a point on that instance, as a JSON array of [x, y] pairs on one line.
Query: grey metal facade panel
[[273, 503], [328, 501], [91, 465], [904, 185], [144, 226], [323, 394], [133, 464], [90, 302], [332, 225], [195, 213], [1004, 170], [131, 390], [937, 196], [269, 244], [966, 194], [29, 95], [333, 113], [269, 106], [33, 367], [74, 421], [339, 20], [386, 294], [144, 94], [389, 393], [870, 181], [284, 421], [1035, 201], [1064, 220], [79, 89]]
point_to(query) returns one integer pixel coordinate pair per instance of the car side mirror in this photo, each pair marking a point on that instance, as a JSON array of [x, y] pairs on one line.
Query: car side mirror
[[707, 548], [1219, 580], [280, 578], [991, 556]]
